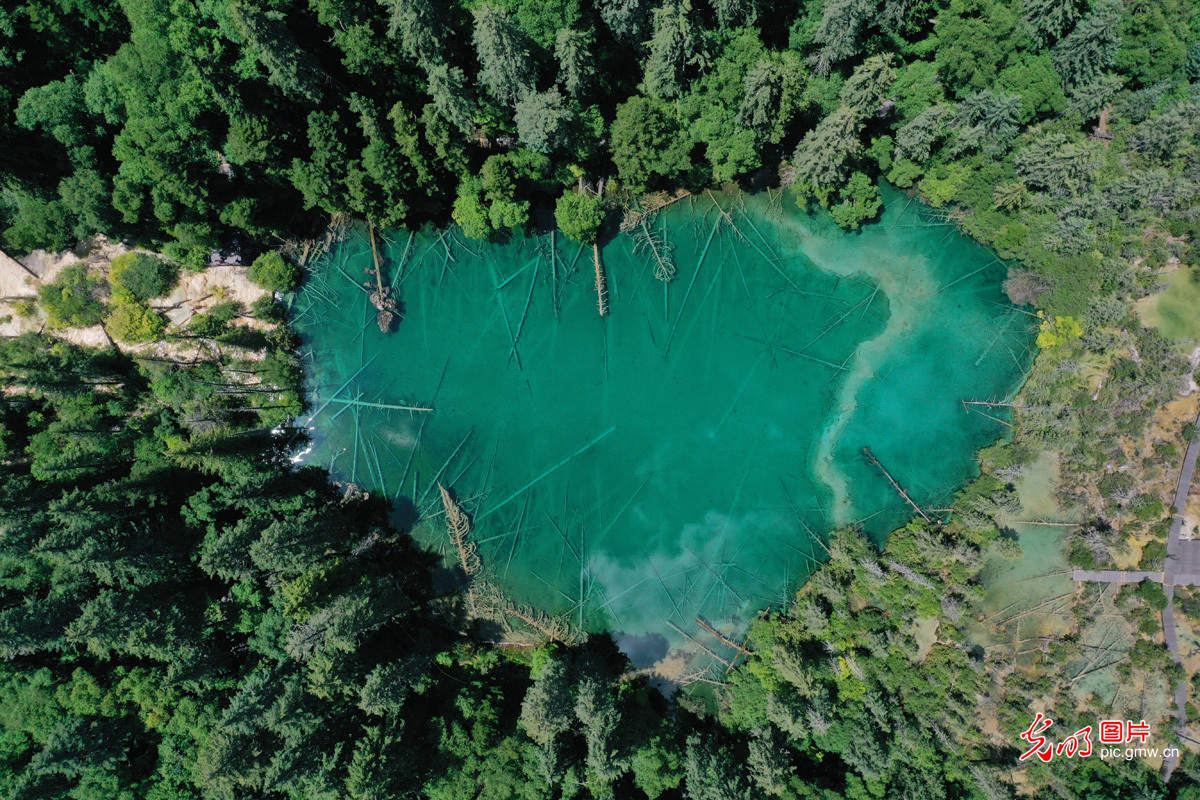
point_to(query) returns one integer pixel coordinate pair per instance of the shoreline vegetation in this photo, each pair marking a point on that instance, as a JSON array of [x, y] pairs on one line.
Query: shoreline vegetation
[[184, 614]]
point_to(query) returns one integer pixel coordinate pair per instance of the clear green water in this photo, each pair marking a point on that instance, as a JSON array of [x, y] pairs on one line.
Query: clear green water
[[680, 457]]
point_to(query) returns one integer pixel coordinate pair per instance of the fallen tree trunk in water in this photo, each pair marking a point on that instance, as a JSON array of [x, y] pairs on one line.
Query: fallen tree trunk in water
[[381, 296], [601, 282], [899, 489], [458, 525]]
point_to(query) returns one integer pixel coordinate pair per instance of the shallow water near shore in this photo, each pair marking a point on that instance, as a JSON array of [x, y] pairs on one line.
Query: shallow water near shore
[[682, 457]]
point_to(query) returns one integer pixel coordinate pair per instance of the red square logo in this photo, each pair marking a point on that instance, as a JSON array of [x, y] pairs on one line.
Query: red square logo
[[1112, 731]]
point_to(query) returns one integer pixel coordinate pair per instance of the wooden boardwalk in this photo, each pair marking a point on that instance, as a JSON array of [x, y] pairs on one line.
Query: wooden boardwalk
[[1117, 576], [1182, 569]]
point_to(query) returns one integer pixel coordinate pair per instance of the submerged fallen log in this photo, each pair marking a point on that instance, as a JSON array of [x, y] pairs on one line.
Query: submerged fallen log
[[990, 404], [381, 296], [650, 205], [740, 648], [495, 605], [895, 485], [601, 282], [458, 525], [694, 641], [659, 250]]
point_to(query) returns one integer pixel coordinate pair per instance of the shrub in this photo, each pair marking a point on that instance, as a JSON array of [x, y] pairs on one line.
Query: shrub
[[1147, 508], [1081, 556], [144, 276], [860, 202], [904, 173], [131, 320], [469, 211], [1057, 330], [1154, 554], [1149, 656], [207, 326], [266, 309], [226, 310], [1146, 621], [1187, 603], [273, 273], [194, 243], [1152, 593], [216, 322], [71, 300], [1113, 484], [244, 338], [941, 185]]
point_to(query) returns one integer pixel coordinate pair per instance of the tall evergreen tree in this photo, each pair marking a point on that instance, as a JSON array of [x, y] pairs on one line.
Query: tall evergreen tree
[[1054, 163], [625, 18], [1165, 135], [839, 32], [1083, 56], [986, 121], [546, 711], [419, 26], [452, 97], [576, 60], [266, 35], [821, 156], [647, 144], [867, 87], [916, 139], [672, 49], [1046, 21], [542, 119], [736, 13], [322, 177], [597, 711], [380, 189], [761, 93], [505, 66], [712, 773], [768, 762]]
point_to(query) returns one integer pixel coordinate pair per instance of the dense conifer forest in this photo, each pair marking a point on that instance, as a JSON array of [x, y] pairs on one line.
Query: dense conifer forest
[[184, 614]]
